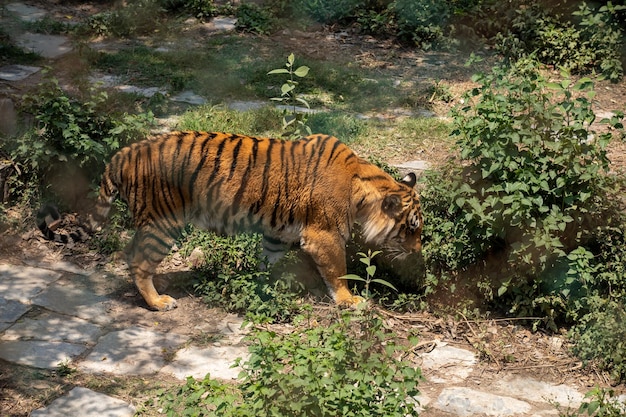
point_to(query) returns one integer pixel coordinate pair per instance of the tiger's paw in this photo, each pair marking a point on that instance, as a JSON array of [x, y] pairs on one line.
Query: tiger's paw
[[352, 301], [164, 303]]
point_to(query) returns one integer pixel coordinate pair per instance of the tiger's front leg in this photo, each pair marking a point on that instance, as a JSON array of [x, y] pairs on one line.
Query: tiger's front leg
[[328, 251], [144, 254]]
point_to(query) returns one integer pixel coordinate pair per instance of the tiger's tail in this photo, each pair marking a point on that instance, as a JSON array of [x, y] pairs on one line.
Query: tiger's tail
[[49, 220]]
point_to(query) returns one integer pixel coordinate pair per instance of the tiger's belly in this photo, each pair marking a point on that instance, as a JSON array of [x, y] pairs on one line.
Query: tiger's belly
[[286, 233]]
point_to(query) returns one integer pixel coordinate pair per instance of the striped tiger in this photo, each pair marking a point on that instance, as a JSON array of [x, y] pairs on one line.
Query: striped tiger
[[308, 192]]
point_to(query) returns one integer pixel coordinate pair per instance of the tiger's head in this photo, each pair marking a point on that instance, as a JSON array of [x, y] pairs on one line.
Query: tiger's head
[[396, 224]]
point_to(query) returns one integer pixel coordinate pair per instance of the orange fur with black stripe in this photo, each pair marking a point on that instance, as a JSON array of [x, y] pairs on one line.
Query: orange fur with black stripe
[[308, 192]]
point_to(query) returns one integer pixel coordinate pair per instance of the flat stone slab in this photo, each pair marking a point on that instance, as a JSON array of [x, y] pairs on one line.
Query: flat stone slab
[[448, 364], [221, 24], [26, 13], [17, 72], [54, 327], [86, 403], [10, 310], [22, 283], [189, 97], [75, 298], [117, 83], [39, 353], [469, 402], [240, 105], [534, 390], [217, 361], [414, 165], [133, 351], [61, 267], [48, 46]]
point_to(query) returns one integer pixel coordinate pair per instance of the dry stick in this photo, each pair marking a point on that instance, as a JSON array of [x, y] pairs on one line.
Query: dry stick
[[476, 336]]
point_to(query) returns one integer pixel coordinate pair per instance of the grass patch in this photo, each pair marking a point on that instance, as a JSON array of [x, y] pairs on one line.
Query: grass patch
[[264, 121], [234, 67]]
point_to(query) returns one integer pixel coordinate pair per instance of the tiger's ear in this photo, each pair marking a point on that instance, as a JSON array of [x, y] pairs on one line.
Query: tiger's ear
[[410, 179], [392, 204]]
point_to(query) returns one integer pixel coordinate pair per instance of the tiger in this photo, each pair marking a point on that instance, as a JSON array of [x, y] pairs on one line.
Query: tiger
[[308, 192]]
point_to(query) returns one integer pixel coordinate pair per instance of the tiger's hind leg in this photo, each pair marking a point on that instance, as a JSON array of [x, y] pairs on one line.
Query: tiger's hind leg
[[144, 253]]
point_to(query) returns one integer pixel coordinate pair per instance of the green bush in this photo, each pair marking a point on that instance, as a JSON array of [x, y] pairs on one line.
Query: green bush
[[592, 44], [533, 195], [233, 276], [348, 367], [72, 132], [422, 22], [201, 9], [254, 18]]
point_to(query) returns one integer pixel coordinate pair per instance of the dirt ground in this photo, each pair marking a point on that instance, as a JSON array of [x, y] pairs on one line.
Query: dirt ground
[[505, 345]]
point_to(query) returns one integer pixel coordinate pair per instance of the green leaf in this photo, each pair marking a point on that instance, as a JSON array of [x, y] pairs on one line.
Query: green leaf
[[386, 283], [286, 88], [302, 71], [353, 277], [278, 71]]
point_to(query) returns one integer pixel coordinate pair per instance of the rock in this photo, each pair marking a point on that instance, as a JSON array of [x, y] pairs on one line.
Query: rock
[[468, 402], [85, 403]]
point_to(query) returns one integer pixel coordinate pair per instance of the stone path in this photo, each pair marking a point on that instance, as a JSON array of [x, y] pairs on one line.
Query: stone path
[[52, 315]]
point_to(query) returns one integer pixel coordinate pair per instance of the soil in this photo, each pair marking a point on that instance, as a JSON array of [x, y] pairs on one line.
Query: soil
[[504, 345]]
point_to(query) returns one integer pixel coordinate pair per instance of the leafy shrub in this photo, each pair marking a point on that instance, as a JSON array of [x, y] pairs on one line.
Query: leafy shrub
[[347, 367], [201, 9], [254, 18], [532, 194], [600, 337], [294, 121], [328, 11], [69, 132], [421, 22], [536, 178], [233, 277], [593, 44]]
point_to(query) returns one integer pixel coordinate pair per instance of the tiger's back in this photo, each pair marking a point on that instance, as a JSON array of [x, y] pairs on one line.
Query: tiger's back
[[309, 191]]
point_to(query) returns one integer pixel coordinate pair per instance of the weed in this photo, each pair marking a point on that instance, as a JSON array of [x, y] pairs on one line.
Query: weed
[[441, 92], [139, 17], [370, 271], [328, 11], [348, 367], [65, 368], [294, 122]]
